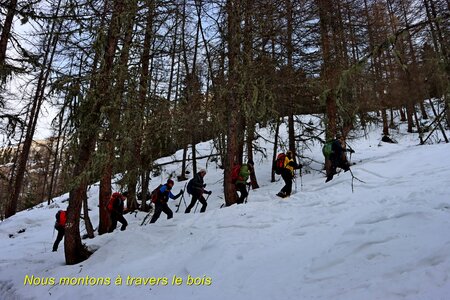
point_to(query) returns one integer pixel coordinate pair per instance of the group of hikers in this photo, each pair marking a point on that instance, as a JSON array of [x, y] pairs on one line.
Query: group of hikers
[[285, 165]]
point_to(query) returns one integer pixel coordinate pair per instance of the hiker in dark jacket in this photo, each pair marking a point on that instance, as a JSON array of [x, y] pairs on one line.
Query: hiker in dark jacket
[[338, 157], [164, 193], [287, 173], [115, 208], [60, 224], [241, 182], [198, 189]]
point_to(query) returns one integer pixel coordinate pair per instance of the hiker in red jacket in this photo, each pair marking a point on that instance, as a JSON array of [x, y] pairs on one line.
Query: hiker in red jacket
[[115, 208], [59, 226]]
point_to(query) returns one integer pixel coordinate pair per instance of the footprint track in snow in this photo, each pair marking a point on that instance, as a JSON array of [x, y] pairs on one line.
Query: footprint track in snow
[[370, 244]]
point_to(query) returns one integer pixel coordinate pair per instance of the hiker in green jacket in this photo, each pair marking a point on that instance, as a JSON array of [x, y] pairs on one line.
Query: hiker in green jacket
[[241, 182]]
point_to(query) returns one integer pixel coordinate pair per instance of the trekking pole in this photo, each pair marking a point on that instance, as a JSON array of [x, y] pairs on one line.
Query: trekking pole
[[206, 200], [295, 181], [351, 152], [248, 193], [179, 203], [301, 180], [146, 217], [182, 198]]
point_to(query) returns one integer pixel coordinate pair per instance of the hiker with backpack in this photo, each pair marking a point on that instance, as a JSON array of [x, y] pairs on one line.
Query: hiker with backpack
[[285, 166], [196, 188], [160, 197], [239, 177], [115, 208], [61, 217], [334, 152]]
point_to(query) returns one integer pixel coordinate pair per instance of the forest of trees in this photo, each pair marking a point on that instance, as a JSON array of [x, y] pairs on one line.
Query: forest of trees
[[132, 81]]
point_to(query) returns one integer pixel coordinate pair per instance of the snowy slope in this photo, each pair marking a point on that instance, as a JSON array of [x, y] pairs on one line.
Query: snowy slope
[[387, 240]]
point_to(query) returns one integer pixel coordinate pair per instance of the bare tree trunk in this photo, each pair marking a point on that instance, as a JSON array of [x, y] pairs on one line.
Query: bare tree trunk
[[385, 122], [194, 159], [391, 122], [329, 73], [290, 51], [75, 252], [409, 113], [87, 220], [250, 138], [183, 164], [55, 157], [402, 114], [49, 52], [440, 125], [275, 148], [419, 129], [145, 179], [7, 30], [232, 101]]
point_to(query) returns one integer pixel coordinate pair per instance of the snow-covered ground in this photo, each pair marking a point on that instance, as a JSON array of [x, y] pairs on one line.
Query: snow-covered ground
[[389, 239]]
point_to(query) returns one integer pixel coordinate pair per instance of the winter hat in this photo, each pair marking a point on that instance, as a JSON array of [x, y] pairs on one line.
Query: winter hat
[[170, 181], [202, 171]]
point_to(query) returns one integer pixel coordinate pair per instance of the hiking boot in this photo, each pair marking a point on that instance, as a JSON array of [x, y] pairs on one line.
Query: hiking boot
[[281, 194], [123, 227]]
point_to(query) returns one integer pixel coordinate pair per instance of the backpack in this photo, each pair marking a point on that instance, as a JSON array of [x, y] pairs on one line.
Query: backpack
[[112, 201], [61, 218], [189, 187], [327, 149], [155, 194], [279, 163], [235, 173]]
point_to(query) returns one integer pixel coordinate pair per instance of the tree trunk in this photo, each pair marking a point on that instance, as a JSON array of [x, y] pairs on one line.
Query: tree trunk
[[409, 113], [87, 220], [250, 138], [329, 69], [6, 31], [440, 125], [402, 115], [232, 101], [183, 164], [38, 99], [275, 148], [194, 159], [144, 79], [104, 197], [391, 121], [75, 252], [385, 122]]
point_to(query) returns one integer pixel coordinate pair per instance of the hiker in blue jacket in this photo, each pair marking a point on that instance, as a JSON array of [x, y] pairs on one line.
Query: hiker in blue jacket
[[164, 193]]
